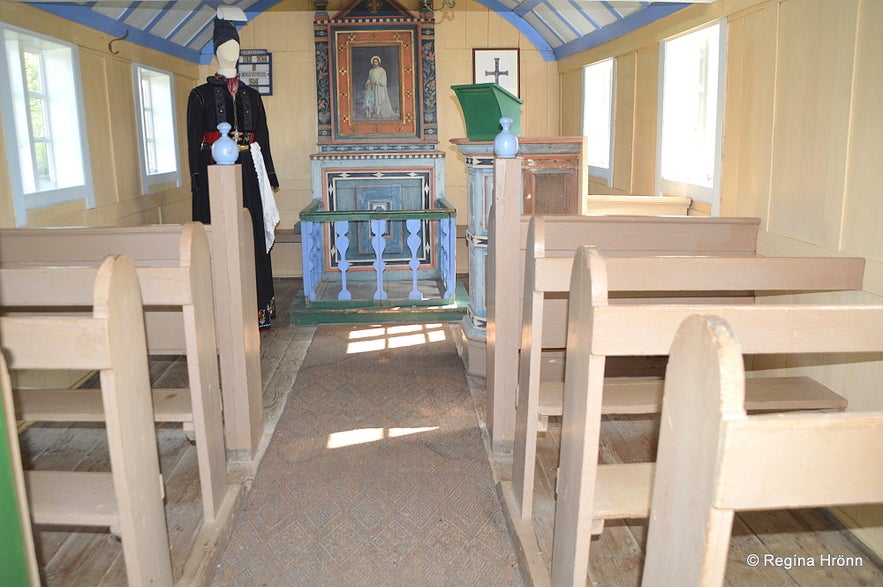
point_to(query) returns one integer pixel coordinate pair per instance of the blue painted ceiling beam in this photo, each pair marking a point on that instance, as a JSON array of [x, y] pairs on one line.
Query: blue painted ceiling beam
[[634, 21], [84, 15], [523, 27], [527, 6], [197, 47]]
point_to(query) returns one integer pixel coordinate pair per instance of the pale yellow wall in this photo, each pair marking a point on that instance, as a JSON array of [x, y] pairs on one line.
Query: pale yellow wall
[[803, 141], [108, 92]]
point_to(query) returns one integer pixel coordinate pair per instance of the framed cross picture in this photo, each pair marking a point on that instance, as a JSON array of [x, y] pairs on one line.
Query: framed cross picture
[[499, 66]]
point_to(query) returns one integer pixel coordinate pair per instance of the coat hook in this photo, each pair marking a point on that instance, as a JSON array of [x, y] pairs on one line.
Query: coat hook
[[110, 44]]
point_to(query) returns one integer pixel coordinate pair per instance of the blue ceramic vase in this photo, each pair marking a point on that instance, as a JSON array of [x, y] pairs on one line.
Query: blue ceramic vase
[[505, 143], [224, 150]]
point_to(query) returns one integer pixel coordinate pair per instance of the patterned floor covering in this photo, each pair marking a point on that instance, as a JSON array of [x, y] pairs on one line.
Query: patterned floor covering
[[376, 474]]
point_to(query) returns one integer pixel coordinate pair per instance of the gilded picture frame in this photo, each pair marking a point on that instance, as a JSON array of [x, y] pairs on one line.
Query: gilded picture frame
[[375, 84]]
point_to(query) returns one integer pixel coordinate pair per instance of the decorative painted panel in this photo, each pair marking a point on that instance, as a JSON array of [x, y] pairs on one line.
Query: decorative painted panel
[[384, 189], [375, 70]]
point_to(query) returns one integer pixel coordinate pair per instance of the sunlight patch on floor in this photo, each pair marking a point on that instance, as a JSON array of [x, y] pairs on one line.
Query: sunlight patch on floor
[[366, 435], [377, 338]]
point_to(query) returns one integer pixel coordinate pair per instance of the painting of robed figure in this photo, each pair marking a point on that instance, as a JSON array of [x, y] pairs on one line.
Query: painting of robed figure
[[375, 84], [380, 94]]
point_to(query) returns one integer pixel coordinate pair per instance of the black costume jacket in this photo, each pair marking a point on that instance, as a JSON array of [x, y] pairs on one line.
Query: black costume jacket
[[208, 105]]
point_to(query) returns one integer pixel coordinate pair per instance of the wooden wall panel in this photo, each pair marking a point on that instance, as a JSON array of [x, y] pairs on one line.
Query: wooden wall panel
[[863, 212], [101, 153], [571, 88], [645, 121], [124, 130], [624, 127], [539, 88], [294, 91], [748, 135], [7, 212], [813, 88]]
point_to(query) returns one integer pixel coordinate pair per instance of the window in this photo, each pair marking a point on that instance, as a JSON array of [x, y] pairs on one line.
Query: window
[[156, 127], [598, 116], [43, 122], [691, 119]]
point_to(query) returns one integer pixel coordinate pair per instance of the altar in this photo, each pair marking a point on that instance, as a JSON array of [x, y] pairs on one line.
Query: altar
[[378, 211]]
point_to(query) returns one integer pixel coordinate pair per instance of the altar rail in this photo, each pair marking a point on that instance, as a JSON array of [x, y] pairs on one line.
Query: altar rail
[[313, 219]]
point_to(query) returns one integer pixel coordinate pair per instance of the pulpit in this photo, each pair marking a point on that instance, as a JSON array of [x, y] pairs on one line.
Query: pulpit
[[554, 181]]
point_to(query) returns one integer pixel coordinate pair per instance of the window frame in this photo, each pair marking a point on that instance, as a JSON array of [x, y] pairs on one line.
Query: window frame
[[594, 171], [665, 186], [13, 110], [151, 181]]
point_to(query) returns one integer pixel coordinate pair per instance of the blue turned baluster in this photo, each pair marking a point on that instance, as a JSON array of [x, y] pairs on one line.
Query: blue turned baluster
[[413, 226], [447, 238], [378, 243], [318, 253], [342, 242], [306, 231]]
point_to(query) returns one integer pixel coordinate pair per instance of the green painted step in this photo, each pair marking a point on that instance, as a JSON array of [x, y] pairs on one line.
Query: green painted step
[[389, 311]]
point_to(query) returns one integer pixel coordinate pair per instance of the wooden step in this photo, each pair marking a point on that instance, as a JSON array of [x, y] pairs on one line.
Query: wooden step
[[85, 405], [644, 396]]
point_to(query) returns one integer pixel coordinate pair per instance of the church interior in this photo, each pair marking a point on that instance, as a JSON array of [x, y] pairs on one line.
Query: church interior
[[363, 338]]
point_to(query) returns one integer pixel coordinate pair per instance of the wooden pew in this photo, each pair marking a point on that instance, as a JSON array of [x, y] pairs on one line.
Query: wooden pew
[[232, 279], [129, 497], [714, 459], [650, 279], [183, 280], [613, 235], [590, 492]]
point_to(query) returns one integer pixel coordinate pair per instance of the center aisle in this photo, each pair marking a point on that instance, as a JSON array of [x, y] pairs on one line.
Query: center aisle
[[376, 473]]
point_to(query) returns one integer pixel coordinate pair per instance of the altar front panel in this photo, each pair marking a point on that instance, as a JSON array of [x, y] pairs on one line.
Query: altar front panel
[[380, 189]]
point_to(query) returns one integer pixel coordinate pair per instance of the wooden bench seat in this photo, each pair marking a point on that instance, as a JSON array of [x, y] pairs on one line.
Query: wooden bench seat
[[762, 394], [184, 281], [638, 280], [597, 329], [84, 405], [713, 459], [112, 341]]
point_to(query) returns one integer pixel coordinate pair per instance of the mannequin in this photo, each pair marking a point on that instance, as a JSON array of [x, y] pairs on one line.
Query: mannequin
[[228, 55], [223, 98]]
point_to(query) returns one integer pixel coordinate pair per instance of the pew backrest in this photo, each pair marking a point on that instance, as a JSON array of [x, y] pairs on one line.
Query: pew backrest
[[713, 459], [112, 341]]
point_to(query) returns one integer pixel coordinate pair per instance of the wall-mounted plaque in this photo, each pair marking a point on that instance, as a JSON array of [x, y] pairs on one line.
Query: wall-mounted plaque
[[255, 69]]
